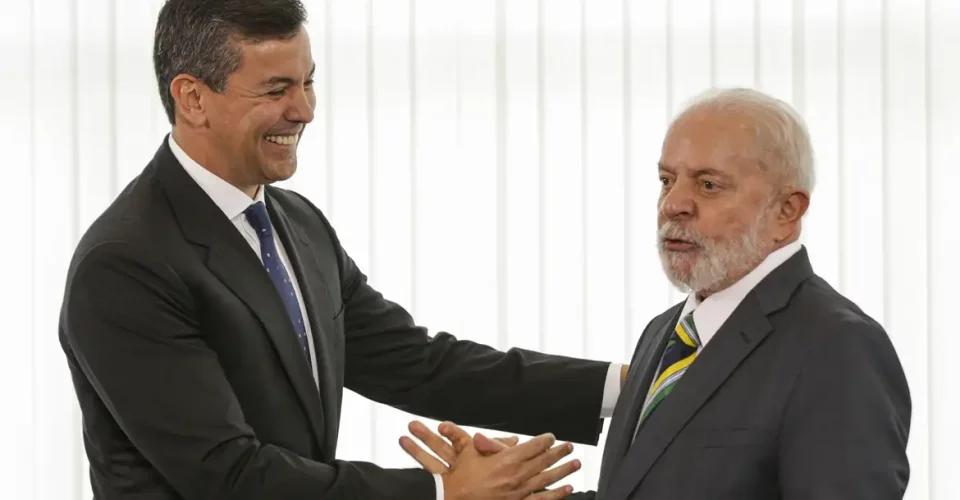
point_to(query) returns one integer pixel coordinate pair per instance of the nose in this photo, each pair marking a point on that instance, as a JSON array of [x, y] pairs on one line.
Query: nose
[[302, 105], [677, 202]]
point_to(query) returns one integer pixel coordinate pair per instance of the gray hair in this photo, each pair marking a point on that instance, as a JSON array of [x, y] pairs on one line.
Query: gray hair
[[780, 131]]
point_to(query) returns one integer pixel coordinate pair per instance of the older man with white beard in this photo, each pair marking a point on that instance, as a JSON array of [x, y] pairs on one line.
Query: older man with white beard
[[765, 383]]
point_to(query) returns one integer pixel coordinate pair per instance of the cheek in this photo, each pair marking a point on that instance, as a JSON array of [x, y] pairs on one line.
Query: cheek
[[257, 121], [723, 225]]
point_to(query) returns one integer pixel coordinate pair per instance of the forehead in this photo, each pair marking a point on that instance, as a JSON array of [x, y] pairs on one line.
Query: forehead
[[290, 56], [720, 140]]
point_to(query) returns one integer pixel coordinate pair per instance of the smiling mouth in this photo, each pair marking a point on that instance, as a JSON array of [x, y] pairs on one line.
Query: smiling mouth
[[283, 140]]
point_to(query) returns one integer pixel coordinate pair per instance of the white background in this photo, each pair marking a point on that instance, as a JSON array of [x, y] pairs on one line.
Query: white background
[[491, 165]]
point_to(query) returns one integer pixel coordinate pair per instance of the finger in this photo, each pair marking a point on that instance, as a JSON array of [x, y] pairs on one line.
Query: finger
[[487, 446], [556, 494], [530, 449], [540, 463], [548, 477], [436, 443], [456, 435], [425, 459], [510, 441]]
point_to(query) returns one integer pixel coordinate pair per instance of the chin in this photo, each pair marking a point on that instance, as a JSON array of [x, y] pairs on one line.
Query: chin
[[678, 268], [278, 172], [679, 263]]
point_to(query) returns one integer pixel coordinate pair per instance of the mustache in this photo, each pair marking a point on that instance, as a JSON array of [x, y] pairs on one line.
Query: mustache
[[670, 230]]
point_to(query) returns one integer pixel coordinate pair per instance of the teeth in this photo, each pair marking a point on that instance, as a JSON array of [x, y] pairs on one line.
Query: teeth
[[286, 140]]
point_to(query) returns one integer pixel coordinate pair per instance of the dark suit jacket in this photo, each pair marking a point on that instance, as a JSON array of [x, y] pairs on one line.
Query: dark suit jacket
[[799, 396], [191, 379]]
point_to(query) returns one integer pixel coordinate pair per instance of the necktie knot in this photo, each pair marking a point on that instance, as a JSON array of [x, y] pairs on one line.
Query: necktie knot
[[259, 219], [687, 331]]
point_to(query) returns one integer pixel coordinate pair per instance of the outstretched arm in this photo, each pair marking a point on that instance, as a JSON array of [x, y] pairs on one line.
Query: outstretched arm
[[131, 331], [391, 360]]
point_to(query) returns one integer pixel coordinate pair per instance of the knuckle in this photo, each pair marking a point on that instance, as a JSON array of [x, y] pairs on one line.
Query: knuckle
[[513, 482]]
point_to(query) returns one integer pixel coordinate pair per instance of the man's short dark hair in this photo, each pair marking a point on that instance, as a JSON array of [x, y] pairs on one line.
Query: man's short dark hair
[[200, 37]]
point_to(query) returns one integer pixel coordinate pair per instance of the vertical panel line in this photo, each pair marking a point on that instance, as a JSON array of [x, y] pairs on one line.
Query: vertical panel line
[[541, 176], [75, 119], [371, 196], [112, 69], [627, 177], [78, 450], [328, 104], [414, 206], [372, 167], [799, 62], [503, 302], [34, 350], [584, 180], [458, 69], [713, 43], [668, 48], [841, 120], [885, 163], [668, 71], [928, 144], [757, 35]]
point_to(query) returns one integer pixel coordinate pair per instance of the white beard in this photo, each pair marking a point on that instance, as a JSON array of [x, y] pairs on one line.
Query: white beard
[[715, 262]]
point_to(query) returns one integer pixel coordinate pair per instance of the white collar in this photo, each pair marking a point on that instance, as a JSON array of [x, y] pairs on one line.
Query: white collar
[[710, 315], [231, 200]]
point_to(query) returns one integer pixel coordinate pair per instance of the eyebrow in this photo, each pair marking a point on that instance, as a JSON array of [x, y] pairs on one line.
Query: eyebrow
[[286, 79], [697, 172]]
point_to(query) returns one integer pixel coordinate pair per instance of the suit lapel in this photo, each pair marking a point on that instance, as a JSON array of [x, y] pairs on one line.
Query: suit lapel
[[314, 290], [254, 288], [625, 415], [230, 258], [745, 329]]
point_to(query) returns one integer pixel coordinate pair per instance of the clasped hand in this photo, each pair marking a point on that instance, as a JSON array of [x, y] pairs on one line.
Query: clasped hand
[[481, 468]]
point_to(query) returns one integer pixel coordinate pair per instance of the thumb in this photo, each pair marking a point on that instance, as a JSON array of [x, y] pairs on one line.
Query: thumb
[[487, 446], [509, 440]]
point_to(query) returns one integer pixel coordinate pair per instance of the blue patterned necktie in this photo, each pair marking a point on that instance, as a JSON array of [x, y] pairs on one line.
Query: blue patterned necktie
[[260, 221]]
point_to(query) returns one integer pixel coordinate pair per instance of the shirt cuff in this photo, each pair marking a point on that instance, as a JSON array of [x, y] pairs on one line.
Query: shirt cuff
[[611, 391], [439, 481]]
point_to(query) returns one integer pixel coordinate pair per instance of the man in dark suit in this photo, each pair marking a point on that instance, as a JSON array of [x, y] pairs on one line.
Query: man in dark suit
[[211, 321], [766, 383]]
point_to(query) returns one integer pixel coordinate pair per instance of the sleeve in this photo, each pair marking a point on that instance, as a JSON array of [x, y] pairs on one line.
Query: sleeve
[[845, 429], [130, 323], [391, 360], [438, 480], [611, 390]]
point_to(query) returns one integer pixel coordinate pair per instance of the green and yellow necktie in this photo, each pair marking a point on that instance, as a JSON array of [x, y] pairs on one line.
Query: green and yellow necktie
[[680, 352]]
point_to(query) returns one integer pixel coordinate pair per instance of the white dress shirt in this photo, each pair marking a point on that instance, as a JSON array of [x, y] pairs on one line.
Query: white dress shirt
[[233, 202], [713, 312]]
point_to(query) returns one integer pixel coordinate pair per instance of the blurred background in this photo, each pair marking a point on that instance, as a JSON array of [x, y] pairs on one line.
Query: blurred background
[[499, 157]]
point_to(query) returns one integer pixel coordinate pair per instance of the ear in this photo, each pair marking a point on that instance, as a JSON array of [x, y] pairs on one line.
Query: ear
[[186, 91], [793, 205]]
